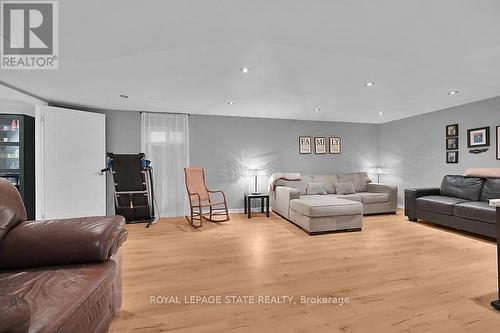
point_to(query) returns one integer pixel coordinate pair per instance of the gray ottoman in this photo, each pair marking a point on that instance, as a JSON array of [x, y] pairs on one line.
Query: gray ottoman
[[315, 214]]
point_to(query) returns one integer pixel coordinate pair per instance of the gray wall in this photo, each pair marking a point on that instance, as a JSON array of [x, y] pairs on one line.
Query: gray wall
[[414, 148], [123, 132], [226, 146]]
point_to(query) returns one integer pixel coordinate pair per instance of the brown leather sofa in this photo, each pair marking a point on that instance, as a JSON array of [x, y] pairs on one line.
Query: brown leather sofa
[[57, 275]]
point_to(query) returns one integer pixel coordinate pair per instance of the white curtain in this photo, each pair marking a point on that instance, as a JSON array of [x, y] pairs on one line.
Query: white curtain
[[165, 141]]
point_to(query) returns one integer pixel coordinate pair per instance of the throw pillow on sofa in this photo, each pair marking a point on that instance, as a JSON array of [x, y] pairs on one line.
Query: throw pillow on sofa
[[358, 179], [329, 180], [345, 188], [316, 188]]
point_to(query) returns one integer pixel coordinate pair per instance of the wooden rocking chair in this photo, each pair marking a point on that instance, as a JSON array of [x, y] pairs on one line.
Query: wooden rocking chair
[[201, 203]]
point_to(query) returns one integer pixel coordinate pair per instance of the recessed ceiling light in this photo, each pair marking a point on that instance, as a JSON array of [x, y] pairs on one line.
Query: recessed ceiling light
[[369, 84], [380, 113], [123, 96], [244, 70], [231, 102], [316, 109], [453, 92]]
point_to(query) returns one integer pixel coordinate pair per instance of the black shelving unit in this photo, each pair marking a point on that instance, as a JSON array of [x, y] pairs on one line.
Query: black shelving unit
[[17, 156]]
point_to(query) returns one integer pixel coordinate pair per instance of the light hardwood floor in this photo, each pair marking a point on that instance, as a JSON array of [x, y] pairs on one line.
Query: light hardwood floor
[[399, 276]]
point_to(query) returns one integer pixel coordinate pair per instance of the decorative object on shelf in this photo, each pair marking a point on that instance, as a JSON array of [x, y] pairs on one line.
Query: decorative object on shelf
[[305, 145], [335, 145], [451, 130], [452, 156], [256, 173], [498, 142], [320, 145], [478, 151], [452, 143], [478, 137]]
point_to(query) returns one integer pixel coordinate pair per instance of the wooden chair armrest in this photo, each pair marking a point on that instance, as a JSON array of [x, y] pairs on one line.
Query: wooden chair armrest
[[194, 194], [219, 191]]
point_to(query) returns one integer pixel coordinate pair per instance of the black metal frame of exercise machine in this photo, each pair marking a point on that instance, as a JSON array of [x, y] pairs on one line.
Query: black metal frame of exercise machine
[[133, 194]]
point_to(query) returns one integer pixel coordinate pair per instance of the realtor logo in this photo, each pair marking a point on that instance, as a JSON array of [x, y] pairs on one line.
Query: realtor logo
[[29, 35]]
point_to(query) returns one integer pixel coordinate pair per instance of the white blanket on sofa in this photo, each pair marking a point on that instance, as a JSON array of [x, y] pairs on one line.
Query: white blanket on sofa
[[482, 172], [273, 179]]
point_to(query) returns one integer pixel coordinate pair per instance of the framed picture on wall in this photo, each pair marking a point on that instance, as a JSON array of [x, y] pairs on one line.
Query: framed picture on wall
[[478, 137], [320, 145], [304, 144], [335, 145], [452, 143], [452, 130], [452, 156], [498, 142]]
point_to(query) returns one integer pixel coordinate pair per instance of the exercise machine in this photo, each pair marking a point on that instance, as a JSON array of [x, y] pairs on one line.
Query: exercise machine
[[132, 177]]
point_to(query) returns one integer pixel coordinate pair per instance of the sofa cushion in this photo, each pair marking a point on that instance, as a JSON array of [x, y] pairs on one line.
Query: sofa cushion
[[354, 197], [369, 197], [322, 206], [476, 210], [438, 204], [462, 187], [15, 314], [73, 298], [330, 182], [491, 189], [344, 188], [316, 188], [359, 179]]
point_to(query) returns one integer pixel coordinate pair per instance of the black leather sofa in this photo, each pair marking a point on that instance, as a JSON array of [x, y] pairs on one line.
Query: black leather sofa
[[461, 203]]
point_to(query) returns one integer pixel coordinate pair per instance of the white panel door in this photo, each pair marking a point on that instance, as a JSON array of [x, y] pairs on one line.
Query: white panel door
[[73, 152]]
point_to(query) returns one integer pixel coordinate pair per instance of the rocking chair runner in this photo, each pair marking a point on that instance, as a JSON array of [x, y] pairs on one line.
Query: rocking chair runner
[[200, 201]]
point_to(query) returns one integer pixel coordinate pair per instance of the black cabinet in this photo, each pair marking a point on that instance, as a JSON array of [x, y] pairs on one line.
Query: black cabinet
[[17, 156]]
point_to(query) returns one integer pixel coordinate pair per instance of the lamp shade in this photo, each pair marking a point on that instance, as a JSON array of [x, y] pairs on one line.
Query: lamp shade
[[255, 172], [376, 170]]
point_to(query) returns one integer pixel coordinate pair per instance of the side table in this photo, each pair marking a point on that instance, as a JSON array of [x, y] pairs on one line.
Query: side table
[[264, 197], [496, 203]]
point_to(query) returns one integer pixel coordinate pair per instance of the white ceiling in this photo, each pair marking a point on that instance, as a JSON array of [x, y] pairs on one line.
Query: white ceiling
[[13, 101], [185, 56]]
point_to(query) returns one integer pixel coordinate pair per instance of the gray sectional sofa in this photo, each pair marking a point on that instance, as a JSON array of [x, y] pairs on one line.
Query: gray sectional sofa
[[331, 211]]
